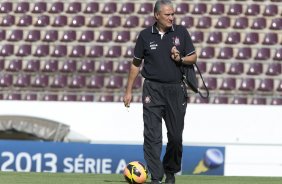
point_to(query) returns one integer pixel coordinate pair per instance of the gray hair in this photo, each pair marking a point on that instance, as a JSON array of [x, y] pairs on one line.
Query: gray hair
[[159, 3]]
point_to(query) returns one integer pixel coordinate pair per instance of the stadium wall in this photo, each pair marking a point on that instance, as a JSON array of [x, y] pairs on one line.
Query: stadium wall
[[250, 135]]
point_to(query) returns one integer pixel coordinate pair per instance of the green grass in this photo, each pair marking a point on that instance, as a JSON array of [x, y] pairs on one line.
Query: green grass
[[63, 178]]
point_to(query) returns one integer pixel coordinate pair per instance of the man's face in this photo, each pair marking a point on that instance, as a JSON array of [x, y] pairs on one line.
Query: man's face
[[165, 17]]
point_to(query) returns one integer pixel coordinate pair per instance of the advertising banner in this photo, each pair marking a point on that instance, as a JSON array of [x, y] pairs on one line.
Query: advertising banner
[[36, 156]]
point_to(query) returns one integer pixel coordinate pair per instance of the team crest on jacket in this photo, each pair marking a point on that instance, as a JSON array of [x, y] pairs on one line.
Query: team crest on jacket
[[176, 41], [147, 99]]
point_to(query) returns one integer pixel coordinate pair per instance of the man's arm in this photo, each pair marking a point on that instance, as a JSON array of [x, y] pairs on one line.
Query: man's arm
[[133, 73]]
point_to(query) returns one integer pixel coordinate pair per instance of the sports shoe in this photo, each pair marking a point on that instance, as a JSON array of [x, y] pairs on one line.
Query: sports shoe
[[156, 182], [170, 178]]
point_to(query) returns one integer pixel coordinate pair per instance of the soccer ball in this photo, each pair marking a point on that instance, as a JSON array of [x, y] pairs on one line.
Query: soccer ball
[[135, 173]]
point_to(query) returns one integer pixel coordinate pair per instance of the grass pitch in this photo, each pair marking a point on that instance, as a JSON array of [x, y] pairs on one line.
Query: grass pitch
[[63, 178]]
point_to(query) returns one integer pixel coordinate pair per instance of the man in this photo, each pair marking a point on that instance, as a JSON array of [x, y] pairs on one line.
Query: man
[[164, 47]]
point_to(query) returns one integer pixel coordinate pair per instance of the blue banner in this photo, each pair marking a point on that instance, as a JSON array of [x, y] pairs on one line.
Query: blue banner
[[34, 156]]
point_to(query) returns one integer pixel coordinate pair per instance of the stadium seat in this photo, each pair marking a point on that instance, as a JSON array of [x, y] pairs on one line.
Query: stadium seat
[[252, 10], [251, 38], [68, 36], [13, 96], [239, 100], [40, 81], [77, 81], [105, 36], [210, 82], [122, 36], [266, 85], [6, 50], [42, 21], [274, 69], [77, 51], [217, 68], [96, 51], [15, 65], [2, 35], [77, 21], [86, 98], [279, 86], [23, 50], [6, 80], [137, 83], [123, 67], [39, 7], [258, 101], [270, 38], [50, 36], [276, 101], [127, 8], [148, 21], [197, 36], [255, 69], [129, 52], [69, 66], [16, 35], [228, 84], [217, 9], [199, 8], [68, 97], [59, 51], [220, 100], [33, 36], [259, 23], [114, 51], [207, 53], [202, 66], [86, 36], [73, 8], [233, 38], [244, 53], [236, 68], [30, 97], [187, 21], [91, 8], [57, 7], [114, 82], [50, 66], [105, 67], [22, 7], [270, 10], [22, 81], [223, 22], [24, 21], [262, 54], [241, 23], [60, 21], [113, 21], [278, 54], [131, 21], [145, 8], [32, 66], [96, 82], [214, 37], [182, 8], [204, 22], [59, 81], [106, 98], [109, 8], [95, 21], [235, 9], [200, 100], [247, 84], [276, 24], [6, 7], [225, 53], [86, 66], [2, 64], [50, 97], [7, 20]]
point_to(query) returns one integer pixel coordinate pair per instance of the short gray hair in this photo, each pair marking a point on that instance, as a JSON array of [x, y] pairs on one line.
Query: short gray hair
[[159, 3]]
